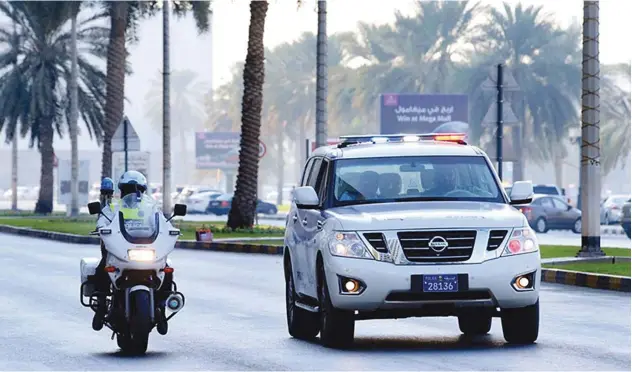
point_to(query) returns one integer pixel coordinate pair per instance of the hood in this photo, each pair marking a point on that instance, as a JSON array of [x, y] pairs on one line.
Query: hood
[[427, 215]]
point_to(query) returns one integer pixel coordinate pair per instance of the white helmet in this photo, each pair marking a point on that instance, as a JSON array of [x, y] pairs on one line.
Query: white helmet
[[132, 181]]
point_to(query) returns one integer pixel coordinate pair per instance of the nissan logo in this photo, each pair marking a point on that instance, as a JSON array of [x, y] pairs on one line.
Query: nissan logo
[[438, 244]]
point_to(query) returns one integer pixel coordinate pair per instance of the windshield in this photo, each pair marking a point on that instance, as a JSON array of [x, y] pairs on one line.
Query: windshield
[[138, 218], [420, 178]]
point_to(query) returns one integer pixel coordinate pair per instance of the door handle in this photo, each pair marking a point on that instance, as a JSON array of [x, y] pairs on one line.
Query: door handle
[[304, 221], [295, 218]]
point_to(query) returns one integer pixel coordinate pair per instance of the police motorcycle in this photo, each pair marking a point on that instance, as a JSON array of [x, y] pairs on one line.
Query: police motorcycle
[[138, 239]]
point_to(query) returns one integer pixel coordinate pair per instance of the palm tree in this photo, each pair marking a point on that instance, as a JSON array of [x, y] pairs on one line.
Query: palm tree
[[124, 17], [186, 107], [242, 212], [35, 90], [74, 8], [545, 62], [615, 111]]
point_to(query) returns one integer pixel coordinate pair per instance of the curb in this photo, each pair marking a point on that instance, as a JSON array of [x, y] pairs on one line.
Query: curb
[[581, 279], [613, 230], [183, 244]]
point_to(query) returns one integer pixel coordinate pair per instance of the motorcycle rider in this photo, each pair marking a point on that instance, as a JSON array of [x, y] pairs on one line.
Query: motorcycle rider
[[130, 182]]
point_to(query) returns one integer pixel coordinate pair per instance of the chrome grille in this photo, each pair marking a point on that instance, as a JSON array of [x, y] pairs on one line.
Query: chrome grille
[[496, 238], [377, 241], [415, 245]]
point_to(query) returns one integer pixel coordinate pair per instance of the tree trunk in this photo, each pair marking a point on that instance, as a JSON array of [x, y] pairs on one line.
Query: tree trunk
[[44, 204], [115, 81], [14, 170], [321, 76], [281, 164], [74, 115], [166, 113], [558, 162], [184, 166], [242, 211]]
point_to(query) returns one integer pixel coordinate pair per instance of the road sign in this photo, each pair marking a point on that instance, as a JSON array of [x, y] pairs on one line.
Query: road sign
[[509, 117], [262, 149], [509, 82], [217, 150], [125, 131], [138, 161], [64, 195]]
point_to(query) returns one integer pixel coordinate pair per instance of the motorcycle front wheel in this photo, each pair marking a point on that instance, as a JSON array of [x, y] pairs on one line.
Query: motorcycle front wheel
[[135, 341]]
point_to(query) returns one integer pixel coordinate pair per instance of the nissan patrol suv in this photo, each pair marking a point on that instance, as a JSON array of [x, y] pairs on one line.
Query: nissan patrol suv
[[396, 226]]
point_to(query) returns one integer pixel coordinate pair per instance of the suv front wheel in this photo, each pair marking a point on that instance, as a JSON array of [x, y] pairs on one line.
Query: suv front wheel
[[521, 325], [301, 323], [336, 326]]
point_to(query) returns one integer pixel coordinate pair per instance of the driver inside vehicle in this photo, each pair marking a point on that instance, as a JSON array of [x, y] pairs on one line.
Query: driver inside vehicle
[[445, 180]]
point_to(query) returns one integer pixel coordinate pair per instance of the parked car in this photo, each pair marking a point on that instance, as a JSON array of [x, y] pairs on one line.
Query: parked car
[[551, 212], [611, 209], [625, 218], [200, 202], [222, 204]]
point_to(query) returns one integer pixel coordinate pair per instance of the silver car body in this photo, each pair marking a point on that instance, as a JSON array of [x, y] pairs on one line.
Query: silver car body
[[389, 276]]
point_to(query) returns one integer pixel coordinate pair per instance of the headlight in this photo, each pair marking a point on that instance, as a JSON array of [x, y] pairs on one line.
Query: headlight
[[522, 240], [346, 244], [143, 255]]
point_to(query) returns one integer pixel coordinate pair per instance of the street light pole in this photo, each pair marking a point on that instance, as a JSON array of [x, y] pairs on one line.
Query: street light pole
[[166, 113], [499, 123], [590, 163]]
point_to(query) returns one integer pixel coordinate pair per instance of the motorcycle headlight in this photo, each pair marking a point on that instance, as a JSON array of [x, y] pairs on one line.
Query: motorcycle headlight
[[522, 240], [141, 255], [345, 244]]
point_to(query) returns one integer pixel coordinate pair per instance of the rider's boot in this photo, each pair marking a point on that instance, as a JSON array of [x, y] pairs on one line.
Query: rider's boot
[[101, 310]]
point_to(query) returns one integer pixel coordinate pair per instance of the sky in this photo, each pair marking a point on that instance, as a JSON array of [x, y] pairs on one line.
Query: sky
[[213, 55]]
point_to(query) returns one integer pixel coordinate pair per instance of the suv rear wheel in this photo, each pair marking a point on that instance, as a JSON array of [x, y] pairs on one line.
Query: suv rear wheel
[[521, 325], [475, 324], [301, 323], [336, 326]]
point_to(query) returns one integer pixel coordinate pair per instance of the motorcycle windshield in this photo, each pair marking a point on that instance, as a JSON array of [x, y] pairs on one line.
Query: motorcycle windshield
[[139, 218]]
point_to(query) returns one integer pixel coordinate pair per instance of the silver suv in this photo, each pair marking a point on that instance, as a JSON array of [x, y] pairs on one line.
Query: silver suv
[[408, 226]]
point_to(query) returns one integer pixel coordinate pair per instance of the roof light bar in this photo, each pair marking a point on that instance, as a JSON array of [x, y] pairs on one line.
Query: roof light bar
[[386, 138]]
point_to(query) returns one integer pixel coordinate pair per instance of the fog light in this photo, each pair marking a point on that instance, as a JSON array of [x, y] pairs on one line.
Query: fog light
[[523, 282], [351, 285]]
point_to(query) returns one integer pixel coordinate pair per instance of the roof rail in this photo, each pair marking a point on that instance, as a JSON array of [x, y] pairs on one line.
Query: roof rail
[[402, 137]]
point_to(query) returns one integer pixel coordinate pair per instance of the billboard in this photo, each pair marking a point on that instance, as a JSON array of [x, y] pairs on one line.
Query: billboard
[[64, 195], [423, 113], [215, 150]]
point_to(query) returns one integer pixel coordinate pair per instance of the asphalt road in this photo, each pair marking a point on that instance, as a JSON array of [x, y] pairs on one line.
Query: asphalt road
[[235, 320]]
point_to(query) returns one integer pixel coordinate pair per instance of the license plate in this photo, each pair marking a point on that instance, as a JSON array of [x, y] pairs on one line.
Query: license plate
[[440, 283], [215, 204]]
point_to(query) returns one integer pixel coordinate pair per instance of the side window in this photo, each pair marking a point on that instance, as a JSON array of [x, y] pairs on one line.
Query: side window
[[306, 172], [313, 174], [321, 181], [547, 203], [559, 204]]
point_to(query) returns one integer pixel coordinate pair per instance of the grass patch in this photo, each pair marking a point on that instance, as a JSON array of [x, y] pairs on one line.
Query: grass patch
[[84, 225], [617, 268], [283, 208], [554, 251], [259, 242]]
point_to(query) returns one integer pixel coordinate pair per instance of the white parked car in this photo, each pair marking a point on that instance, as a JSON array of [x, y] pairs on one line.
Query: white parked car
[[199, 202], [408, 226]]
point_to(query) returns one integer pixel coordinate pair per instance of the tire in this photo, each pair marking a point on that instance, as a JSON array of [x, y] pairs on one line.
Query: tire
[[541, 226], [627, 231], [301, 323], [521, 325], [577, 226], [475, 324], [140, 325], [337, 326]]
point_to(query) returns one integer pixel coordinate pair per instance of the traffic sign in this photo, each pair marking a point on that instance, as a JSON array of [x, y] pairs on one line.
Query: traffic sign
[[509, 117], [509, 82], [262, 149], [125, 133]]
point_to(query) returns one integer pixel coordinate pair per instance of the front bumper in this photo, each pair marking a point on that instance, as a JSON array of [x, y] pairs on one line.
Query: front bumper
[[390, 287]]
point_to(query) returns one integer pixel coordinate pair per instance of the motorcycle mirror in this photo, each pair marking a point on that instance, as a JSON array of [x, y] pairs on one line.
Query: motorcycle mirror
[[178, 210], [94, 208]]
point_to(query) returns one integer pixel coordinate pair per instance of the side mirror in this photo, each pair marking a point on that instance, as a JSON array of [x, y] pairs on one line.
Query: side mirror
[[180, 210], [94, 208], [305, 197], [521, 193]]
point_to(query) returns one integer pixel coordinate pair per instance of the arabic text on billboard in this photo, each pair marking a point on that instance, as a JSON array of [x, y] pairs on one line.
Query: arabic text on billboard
[[216, 150], [421, 113]]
